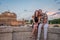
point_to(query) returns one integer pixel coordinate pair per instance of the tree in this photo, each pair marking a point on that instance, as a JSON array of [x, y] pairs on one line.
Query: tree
[[55, 21]]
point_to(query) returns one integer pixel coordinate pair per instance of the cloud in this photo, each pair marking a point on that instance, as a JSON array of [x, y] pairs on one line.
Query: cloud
[[50, 13], [57, 13], [58, 2], [59, 9], [25, 10], [0, 3], [55, 0], [53, 15]]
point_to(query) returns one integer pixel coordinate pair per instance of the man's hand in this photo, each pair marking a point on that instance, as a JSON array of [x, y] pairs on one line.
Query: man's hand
[[45, 21]]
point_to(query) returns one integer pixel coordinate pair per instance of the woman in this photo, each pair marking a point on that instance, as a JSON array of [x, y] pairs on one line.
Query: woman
[[35, 26]]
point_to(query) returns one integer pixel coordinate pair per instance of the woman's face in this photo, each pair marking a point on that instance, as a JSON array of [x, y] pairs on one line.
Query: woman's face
[[36, 13]]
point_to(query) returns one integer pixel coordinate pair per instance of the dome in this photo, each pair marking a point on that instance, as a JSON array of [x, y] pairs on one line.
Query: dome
[[8, 13]]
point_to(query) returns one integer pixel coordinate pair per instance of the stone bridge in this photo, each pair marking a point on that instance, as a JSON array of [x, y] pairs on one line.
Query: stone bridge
[[24, 33]]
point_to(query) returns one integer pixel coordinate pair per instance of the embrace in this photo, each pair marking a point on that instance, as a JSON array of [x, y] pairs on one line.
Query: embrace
[[40, 21]]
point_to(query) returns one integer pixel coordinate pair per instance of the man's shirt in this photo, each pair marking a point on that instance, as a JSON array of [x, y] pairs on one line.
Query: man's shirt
[[43, 16]]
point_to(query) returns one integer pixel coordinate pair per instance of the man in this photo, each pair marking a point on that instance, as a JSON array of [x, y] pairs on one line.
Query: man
[[43, 23]]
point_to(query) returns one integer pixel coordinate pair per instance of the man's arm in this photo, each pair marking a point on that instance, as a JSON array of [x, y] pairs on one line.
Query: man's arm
[[45, 19]]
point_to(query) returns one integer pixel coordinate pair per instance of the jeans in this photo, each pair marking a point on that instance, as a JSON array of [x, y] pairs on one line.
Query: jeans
[[45, 31]]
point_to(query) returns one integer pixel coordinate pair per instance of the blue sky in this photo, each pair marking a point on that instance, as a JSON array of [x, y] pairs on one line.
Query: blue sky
[[25, 8]]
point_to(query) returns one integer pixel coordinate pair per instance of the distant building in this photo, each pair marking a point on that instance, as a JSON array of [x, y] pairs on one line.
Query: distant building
[[9, 18], [17, 23]]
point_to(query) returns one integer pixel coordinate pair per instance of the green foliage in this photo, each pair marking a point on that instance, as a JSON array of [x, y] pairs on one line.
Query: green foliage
[[55, 21], [31, 21], [26, 20]]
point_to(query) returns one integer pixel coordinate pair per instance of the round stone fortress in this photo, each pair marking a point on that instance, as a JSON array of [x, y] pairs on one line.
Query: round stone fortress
[[8, 18]]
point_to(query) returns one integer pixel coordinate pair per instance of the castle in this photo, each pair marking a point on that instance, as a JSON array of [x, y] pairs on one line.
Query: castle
[[9, 19]]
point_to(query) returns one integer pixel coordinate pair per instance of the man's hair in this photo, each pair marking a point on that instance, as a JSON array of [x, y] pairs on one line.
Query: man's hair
[[40, 10]]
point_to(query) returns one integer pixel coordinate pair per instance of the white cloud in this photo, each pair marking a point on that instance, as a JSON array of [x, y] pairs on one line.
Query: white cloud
[[53, 15]]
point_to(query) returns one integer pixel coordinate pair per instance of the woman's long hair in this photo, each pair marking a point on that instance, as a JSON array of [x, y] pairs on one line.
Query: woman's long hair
[[35, 13], [39, 14]]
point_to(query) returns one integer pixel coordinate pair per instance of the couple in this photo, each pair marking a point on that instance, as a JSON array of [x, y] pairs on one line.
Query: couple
[[40, 20]]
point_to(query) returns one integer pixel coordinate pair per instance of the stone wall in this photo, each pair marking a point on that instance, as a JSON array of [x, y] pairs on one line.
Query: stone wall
[[51, 25], [54, 33], [6, 33], [24, 33]]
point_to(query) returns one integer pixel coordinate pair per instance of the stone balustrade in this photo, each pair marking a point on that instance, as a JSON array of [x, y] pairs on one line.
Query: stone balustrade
[[24, 33]]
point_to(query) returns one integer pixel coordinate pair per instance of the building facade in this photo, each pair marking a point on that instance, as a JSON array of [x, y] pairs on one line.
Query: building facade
[[9, 18]]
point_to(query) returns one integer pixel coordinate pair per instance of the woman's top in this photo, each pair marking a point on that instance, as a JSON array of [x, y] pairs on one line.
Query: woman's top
[[36, 19]]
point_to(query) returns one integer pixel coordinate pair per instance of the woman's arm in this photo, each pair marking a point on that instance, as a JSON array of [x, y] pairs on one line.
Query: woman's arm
[[33, 20], [38, 19]]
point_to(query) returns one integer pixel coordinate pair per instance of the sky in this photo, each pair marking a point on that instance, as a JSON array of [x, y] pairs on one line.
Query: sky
[[25, 8]]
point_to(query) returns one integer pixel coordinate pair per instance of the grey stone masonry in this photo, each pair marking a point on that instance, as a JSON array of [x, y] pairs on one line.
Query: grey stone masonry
[[54, 33], [24, 33], [6, 33]]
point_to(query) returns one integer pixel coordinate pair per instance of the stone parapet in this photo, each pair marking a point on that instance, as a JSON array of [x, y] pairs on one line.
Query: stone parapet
[[54, 33], [6, 33], [24, 33]]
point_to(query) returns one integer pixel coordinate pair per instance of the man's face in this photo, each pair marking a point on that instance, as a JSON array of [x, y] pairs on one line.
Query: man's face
[[40, 11]]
